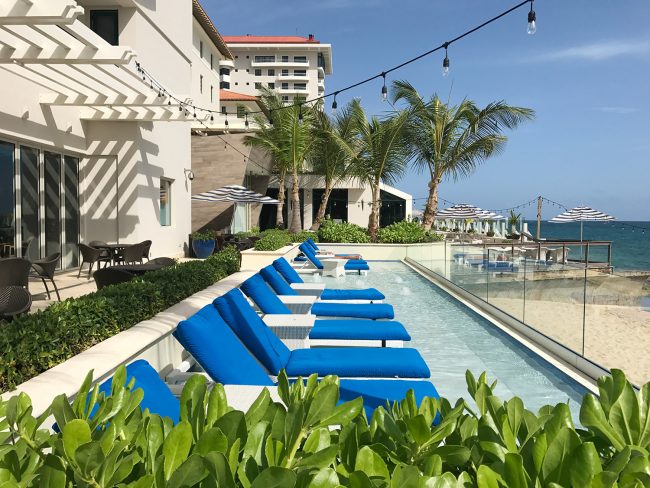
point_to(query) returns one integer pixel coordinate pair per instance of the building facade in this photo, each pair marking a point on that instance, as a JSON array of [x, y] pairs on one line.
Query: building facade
[[294, 66]]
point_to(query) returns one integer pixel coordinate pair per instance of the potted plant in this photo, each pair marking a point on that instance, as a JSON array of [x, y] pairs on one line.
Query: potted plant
[[514, 220], [203, 243], [490, 232]]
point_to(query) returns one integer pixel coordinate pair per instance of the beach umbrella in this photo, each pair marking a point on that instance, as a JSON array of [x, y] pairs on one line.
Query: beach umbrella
[[239, 195], [581, 214], [467, 211]]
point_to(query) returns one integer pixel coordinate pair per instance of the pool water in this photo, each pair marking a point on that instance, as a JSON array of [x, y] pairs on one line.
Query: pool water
[[452, 339]]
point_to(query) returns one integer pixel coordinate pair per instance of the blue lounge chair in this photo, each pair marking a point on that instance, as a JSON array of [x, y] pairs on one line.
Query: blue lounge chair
[[226, 360], [281, 287], [364, 362], [256, 288], [310, 242], [350, 265]]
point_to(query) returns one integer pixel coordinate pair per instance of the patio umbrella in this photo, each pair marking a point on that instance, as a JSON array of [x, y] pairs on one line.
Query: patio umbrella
[[581, 214], [238, 195], [467, 211]]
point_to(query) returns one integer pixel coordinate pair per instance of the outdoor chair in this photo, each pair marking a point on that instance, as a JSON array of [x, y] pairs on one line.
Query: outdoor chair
[[163, 261], [133, 254], [91, 256], [14, 300], [44, 269], [15, 272], [146, 249], [110, 276], [27, 248], [98, 244]]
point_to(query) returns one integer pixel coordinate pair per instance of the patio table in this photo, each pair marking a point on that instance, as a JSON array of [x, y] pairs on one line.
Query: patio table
[[114, 250]]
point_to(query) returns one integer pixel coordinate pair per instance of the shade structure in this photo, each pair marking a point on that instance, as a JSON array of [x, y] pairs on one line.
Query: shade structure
[[234, 193], [581, 214], [241, 197], [467, 211]]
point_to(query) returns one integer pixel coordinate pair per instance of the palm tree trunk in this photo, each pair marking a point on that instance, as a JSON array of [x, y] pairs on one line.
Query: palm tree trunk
[[279, 217], [322, 208], [373, 221], [295, 224], [432, 204]]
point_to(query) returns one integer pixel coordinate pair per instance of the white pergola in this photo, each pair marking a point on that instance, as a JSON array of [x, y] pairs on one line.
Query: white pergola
[[44, 42]]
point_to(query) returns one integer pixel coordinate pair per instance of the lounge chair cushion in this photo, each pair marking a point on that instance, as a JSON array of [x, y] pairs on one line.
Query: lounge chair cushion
[[358, 310], [217, 349], [158, 398], [352, 266], [256, 288], [309, 252], [359, 329], [366, 362], [358, 294], [312, 244], [252, 331], [276, 281], [288, 273], [376, 392]]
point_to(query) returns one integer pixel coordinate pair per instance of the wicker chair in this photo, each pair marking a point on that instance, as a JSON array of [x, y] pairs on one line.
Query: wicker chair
[[99, 244], [91, 256], [14, 300], [146, 249], [164, 261], [134, 253], [111, 276], [44, 269], [15, 272]]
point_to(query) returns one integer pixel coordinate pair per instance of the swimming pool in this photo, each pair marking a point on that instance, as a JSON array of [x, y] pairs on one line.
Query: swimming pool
[[453, 338]]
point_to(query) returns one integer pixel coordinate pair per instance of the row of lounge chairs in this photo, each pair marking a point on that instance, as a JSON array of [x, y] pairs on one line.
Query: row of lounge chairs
[[235, 345]]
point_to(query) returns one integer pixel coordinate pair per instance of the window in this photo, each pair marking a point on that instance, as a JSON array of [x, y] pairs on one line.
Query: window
[[165, 202], [211, 61], [300, 86], [224, 110], [7, 204], [236, 83], [241, 112], [247, 71], [211, 94], [285, 98], [258, 72], [201, 83], [224, 85], [271, 85], [264, 59], [224, 71], [300, 59], [300, 72], [52, 182], [321, 60], [285, 59], [258, 85], [285, 86], [71, 211], [29, 197], [271, 72], [285, 72], [104, 23]]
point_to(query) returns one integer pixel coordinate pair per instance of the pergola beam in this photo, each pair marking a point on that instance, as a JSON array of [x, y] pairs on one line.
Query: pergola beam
[[103, 100], [14, 12], [132, 114]]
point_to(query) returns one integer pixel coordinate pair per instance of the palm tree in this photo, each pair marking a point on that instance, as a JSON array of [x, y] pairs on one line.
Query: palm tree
[[451, 141], [382, 155], [289, 142], [333, 151]]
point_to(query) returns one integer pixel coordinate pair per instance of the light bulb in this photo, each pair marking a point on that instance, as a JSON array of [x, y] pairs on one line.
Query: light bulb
[[334, 106], [384, 93], [532, 25], [445, 66]]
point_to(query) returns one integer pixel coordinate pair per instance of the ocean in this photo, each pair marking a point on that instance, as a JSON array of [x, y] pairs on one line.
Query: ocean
[[630, 246]]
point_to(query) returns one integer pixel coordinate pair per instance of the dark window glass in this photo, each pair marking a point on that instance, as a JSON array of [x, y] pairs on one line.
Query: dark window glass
[[211, 61], [104, 24], [300, 72], [225, 85], [200, 49], [285, 86], [258, 72], [71, 216], [300, 86], [300, 59], [271, 72], [258, 85], [285, 59], [285, 72], [224, 71], [7, 200], [241, 112], [271, 86], [337, 204], [52, 203], [224, 109], [29, 195], [211, 94], [264, 59]]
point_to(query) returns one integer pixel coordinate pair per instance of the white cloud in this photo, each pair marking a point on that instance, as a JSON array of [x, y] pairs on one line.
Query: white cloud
[[599, 51], [618, 110]]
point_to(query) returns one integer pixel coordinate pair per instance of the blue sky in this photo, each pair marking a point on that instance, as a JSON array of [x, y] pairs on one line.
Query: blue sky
[[586, 73]]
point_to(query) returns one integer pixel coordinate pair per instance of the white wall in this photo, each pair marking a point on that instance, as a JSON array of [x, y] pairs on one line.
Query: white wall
[[201, 68]]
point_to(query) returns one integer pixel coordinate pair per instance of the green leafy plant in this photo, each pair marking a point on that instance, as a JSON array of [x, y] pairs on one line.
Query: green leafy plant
[[331, 231], [404, 232], [310, 440], [33, 343], [204, 235], [273, 241]]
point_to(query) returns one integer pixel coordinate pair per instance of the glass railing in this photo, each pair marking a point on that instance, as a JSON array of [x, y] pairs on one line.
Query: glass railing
[[567, 291]]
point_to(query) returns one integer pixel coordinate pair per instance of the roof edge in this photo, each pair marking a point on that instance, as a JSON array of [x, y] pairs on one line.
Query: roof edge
[[208, 26]]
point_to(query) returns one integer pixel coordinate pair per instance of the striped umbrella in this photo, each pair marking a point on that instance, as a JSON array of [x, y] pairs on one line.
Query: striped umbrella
[[467, 211], [234, 193], [581, 214]]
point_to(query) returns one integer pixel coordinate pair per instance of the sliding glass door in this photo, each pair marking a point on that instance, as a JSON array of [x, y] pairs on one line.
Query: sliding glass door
[[52, 203], [7, 200], [30, 202], [71, 212]]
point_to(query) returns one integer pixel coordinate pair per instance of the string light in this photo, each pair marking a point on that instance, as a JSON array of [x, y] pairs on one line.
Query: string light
[[334, 104], [532, 20], [384, 90], [246, 121], [445, 62], [211, 118]]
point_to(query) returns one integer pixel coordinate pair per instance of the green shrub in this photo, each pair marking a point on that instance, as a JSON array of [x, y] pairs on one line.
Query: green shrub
[[33, 343], [303, 236], [204, 235], [254, 232], [404, 232], [344, 232], [310, 441], [272, 241]]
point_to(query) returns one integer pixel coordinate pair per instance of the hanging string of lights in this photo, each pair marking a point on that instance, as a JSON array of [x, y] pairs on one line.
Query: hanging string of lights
[[185, 106]]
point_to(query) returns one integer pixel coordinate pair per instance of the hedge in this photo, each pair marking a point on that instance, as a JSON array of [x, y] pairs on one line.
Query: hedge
[[406, 232], [31, 344], [342, 232], [274, 239], [308, 440]]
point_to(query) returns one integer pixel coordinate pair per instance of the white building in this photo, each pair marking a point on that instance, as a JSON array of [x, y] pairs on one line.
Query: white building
[[294, 66]]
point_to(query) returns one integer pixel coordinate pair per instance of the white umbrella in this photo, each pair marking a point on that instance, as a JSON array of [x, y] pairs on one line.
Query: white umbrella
[[581, 214], [467, 211]]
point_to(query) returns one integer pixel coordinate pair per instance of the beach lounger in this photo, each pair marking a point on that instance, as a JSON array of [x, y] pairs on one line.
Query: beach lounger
[[341, 361], [310, 242], [281, 287], [268, 302], [350, 264]]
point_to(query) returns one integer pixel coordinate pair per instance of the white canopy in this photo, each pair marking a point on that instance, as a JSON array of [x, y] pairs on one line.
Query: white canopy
[[467, 211], [581, 214], [234, 193]]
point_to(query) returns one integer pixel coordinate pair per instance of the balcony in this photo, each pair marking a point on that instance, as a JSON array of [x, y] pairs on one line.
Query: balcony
[[321, 72], [290, 77], [278, 63], [297, 91]]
